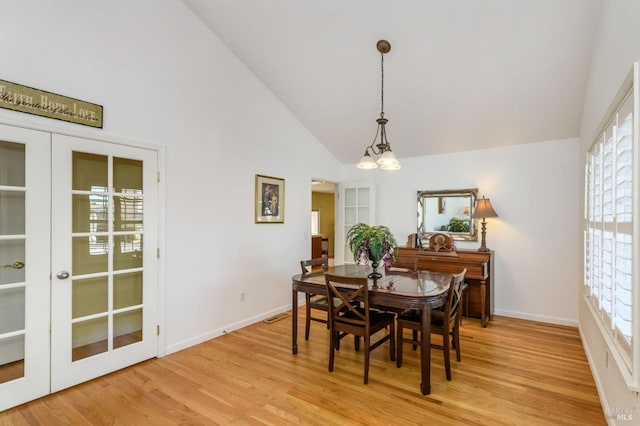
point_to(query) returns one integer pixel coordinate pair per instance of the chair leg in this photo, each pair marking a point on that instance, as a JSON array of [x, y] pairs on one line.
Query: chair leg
[[392, 342], [332, 346], [356, 343], [456, 339], [307, 322], [415, 339], [447, 354], [399, 332], [366, 359]]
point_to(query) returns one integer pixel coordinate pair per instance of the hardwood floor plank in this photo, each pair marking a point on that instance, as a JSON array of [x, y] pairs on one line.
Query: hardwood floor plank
[[512, 372]]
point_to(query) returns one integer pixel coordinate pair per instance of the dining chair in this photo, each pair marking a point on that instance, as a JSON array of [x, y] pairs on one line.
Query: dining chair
[[314, 301], [406, 263], [354, 316], [444, 322]]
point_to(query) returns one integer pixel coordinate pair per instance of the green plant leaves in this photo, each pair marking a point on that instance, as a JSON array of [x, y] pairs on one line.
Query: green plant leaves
[[373, 243]]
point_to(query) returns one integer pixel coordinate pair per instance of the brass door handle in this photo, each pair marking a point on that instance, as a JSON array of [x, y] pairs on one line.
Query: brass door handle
[[15, 265]]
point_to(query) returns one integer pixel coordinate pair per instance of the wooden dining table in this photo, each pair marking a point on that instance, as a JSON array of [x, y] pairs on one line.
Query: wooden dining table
[[397, 289]]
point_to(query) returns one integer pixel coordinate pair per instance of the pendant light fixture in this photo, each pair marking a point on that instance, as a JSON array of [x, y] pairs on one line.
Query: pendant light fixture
[[386, 159]]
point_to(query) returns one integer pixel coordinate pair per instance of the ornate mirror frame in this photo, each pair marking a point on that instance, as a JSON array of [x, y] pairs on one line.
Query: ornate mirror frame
[[446, 211]]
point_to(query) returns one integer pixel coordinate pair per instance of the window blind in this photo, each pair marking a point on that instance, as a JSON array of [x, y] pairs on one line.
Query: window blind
[[611, 278]]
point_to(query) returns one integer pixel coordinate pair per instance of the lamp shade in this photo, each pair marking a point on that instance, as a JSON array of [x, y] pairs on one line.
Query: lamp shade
[[367, 162], [391, 166], [484, 209], [387, 158]]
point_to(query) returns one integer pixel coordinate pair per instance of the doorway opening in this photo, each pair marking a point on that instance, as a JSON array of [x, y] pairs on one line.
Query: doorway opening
[[323, 214]]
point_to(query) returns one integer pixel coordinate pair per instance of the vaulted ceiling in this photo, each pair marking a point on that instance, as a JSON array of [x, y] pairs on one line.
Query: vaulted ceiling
[[461, 74]]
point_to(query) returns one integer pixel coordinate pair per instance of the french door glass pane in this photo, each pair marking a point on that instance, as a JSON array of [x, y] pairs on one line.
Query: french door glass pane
[[90, 172], [89, 338], [11, 251], [89, 296], [350, 215], [350, 197], [89, 254], [127, 290], [128, 213], [11, 309], [12, 212], [13, 156], [127, 328], [363, 196], [127, 175], [363, 215], [89, 213], [128, 251], [11, 358]]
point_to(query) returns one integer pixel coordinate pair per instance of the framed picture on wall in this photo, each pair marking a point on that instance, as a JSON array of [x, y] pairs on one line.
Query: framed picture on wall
[[269, 199]]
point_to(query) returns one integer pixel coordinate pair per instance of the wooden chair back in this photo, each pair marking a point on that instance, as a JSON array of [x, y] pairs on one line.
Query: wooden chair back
[[310, 263], [348, 301], [453, 306], [405, 263]]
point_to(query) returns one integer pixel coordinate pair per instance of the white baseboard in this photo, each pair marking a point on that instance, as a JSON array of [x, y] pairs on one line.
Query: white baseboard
[[540, 318], [226, 329], [596, 377]]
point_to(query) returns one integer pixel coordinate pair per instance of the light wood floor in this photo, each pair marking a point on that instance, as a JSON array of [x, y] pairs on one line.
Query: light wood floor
[[513, 372]]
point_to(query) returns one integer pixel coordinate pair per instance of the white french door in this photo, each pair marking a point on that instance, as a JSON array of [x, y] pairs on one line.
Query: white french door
[[87, 209], [358, 206], [104, 262], [24, 265]]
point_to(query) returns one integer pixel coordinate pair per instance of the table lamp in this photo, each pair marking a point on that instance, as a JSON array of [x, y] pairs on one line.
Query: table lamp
[[483, 210]]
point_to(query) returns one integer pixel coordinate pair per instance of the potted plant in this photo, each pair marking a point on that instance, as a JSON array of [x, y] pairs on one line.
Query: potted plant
[[458, 225], [372, 243]]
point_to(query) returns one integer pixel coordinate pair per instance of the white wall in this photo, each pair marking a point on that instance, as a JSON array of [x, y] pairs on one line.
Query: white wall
[[617, 47], [165, 79], [534, 190]]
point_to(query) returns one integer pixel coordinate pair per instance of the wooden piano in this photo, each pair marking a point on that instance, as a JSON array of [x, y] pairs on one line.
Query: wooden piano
[[479, 274]]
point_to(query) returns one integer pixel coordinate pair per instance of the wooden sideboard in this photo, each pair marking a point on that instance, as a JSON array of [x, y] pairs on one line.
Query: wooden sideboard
[[479, 274]]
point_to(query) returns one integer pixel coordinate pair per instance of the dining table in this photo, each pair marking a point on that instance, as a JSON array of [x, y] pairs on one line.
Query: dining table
[[396, 290]]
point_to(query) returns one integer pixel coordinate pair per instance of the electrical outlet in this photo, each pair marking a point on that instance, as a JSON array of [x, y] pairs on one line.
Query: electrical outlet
[[243, 296]]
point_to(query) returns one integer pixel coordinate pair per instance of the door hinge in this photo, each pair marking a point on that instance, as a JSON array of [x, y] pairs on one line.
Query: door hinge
[[158, 253], [157, 330], [158, 176]]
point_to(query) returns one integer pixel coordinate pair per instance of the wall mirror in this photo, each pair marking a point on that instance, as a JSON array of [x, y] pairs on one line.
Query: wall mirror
[[447, 211]]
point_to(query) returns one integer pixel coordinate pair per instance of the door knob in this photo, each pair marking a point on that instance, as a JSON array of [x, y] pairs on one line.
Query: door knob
[[15, 265], [62, 275]]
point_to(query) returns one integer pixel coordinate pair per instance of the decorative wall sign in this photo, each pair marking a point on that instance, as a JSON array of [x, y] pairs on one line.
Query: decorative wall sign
[[269, 199], [46, 104]]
